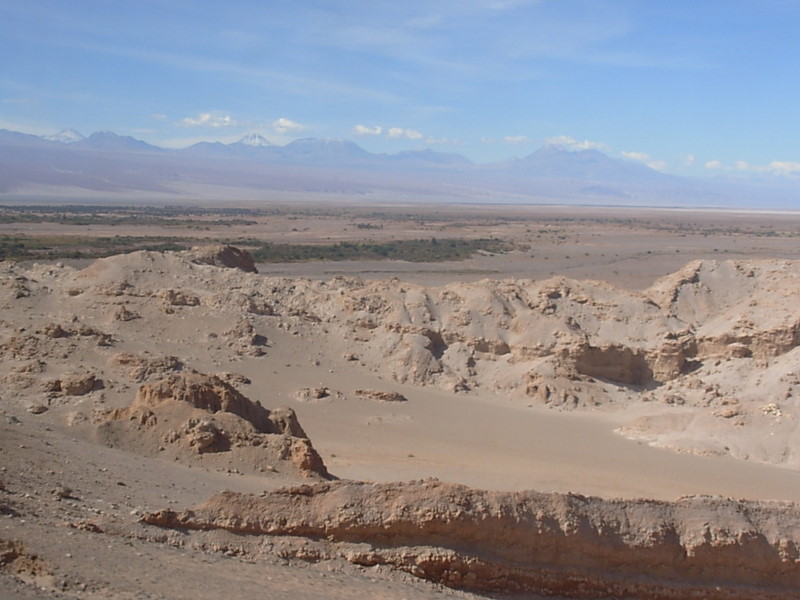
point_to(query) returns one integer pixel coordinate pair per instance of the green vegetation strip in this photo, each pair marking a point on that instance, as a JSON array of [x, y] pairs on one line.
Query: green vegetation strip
[[424, 250], [56, 247], [427, 250]]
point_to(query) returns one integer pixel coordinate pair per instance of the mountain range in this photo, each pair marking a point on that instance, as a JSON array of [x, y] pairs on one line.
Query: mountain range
[[109, 166]]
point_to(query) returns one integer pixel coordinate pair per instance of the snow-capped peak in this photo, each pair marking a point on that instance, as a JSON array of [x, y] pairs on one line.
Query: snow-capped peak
[[65, 136], [256, 140]]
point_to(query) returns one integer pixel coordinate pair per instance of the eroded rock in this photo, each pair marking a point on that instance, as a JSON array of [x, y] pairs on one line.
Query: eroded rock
[[224, 256], [381, 395], [205, 415], [527, 542], [77, 384]]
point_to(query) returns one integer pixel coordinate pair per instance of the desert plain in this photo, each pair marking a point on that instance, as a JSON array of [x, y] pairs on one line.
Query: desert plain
[[607, 407]]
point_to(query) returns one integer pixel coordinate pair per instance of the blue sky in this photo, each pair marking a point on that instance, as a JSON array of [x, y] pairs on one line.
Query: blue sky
[[689, 87]]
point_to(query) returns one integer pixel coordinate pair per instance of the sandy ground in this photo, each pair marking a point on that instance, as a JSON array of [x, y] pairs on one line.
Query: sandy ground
[[492, 442], [486, 441]]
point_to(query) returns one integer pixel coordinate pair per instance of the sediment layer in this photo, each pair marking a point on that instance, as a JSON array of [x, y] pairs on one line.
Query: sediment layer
[[551, 544]]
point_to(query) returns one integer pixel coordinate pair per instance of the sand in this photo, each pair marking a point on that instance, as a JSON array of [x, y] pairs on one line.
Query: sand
[[488, 438]]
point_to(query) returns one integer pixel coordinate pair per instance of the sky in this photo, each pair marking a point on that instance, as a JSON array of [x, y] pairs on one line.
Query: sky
[[698, 87]]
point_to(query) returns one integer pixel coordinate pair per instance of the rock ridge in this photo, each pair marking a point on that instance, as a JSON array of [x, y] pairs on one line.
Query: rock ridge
[[562, 545]]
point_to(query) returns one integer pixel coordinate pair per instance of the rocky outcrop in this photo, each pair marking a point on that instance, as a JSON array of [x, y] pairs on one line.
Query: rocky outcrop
[[140, 368], [243, 339], [206, 392], [610, 361], [548, 544], [77, 383], [74, 383], [224, 256], [318, 394], [15, 559], [381, 395], [179, 298], [726, 302], [205, 415]]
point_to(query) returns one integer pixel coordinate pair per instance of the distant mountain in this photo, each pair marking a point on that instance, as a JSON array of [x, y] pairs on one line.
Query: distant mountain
[[101, 163], [65, 136], [252, 145], [208, 149], [556, 162], [121, 165], [428, 158], [325, 152], [15, 138], [108, 141], [254, 140]]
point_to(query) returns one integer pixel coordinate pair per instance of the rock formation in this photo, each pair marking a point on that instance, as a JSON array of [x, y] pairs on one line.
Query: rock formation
[[715, 341], [205, 415], [549, 544], [381, 396], [140, 368], [224, 256], [15, 559]]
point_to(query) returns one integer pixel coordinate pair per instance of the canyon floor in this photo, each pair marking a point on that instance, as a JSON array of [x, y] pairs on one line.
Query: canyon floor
[[643, 362]]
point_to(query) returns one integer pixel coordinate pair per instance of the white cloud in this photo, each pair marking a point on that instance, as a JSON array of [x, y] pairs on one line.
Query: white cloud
[[570, 143], [364, 130], [516, 140], [658, 165], [409, 134], [640, 156], [283, 125], [781, 167], [777, 168], [221, 121], [209, 120], [395, 133], [434, 141], [688, 160]]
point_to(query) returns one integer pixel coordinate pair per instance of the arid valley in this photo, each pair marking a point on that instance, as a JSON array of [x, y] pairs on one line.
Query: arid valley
[[393, 401]]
